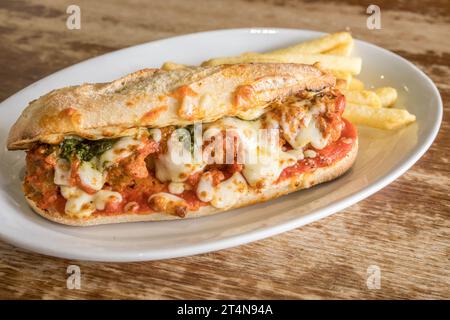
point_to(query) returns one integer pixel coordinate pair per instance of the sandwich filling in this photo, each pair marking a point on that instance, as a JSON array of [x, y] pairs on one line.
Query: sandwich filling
[[176, 170]]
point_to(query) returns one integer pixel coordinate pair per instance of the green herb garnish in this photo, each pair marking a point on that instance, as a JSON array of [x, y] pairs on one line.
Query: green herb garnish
[[85, 150]]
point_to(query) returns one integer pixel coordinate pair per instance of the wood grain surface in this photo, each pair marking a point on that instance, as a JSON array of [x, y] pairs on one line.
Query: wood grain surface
[[404, 229]]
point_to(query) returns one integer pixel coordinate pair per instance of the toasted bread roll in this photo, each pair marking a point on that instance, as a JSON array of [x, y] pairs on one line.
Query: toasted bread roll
[[156, 98]]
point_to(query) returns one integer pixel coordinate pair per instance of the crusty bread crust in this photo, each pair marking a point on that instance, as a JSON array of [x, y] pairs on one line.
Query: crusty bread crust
[[155, 98], [287, 186]]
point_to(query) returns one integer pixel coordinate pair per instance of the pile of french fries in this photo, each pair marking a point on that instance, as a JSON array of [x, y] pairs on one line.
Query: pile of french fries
[[374, 108]]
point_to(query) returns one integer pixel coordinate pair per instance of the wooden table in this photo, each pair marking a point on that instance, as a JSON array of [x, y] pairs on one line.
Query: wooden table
[[403, 229]]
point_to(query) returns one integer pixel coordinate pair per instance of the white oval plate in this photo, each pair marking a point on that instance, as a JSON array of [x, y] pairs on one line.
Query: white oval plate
[[383, 156]]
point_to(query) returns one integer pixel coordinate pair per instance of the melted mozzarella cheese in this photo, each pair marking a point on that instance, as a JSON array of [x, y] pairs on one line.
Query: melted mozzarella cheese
[[176, 187], [205, 188], [90, 176], [167, 169], [268, 167], [62, 173], [102, 197], [261, 155], [88, 172], [228, 192], [310, 154], [297, 153], [301, 131], [225, 194], [168, 203], [81, 204], [298, 131], [309, 134], [178, 163], [246, 131], [121, 149]]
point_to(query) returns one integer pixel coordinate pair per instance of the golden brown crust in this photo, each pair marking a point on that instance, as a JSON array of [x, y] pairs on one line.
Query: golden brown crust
[[157, 98], [287, 186]]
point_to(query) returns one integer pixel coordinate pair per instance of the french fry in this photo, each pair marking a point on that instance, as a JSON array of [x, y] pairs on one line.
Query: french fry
[[344, 49], [387, 96], [351, 65], [345, 76], [169, 65], [355, 84], [341, 75], [381, 118], [362, 97], [342, 79], [318, 45]]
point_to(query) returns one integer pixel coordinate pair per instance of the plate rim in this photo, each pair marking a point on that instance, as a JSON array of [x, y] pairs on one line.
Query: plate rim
[[248, 236]]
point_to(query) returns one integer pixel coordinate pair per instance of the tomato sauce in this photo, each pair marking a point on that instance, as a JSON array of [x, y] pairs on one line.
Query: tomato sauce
[[136, 190], [38, 183], [326, 156]]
